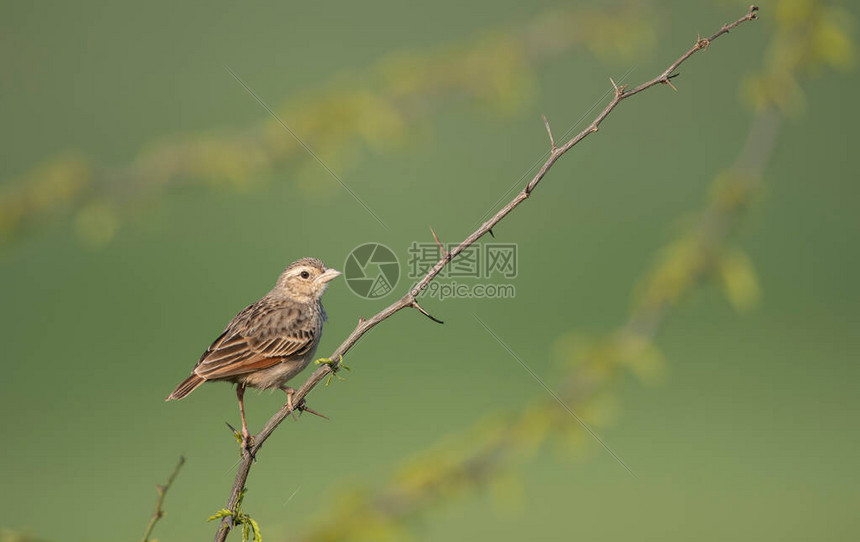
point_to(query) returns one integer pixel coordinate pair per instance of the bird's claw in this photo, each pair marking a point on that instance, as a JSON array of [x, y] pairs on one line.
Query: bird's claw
[[301, 407], [247, 441], [243, 437], [290, 391]]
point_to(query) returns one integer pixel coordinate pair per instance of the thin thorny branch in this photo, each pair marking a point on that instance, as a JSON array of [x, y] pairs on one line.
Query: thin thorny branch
[[490, 456], [158, 513], [409, 300]]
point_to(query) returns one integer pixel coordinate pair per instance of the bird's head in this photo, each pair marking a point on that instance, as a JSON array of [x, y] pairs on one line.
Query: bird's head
[[305, 280]]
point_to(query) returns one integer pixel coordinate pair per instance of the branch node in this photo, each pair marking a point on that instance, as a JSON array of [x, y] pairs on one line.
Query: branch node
[[548, 131], [420, 309], [445, 253], [619, 90], [334, 365], [666, 81], [702, 43]]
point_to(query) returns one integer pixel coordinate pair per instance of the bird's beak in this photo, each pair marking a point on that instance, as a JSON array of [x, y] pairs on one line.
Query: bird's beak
[[328, 275]]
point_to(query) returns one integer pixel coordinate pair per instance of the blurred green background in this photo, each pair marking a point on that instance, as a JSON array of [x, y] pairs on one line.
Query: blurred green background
[[109, 298]]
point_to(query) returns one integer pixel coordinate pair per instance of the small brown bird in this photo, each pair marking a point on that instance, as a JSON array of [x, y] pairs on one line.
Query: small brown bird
[[271, 341]]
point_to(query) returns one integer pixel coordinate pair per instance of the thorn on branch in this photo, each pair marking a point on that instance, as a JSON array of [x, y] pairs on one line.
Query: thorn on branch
[[490, 231], [667, 81], [420, 309], [232, 429], [618, 90], [445, 253], [551, 139], [305, 408]]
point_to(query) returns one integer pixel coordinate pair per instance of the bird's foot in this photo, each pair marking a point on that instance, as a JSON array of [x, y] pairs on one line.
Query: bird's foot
[[243, 437], [301, 407], [247, 440], [290, 392], [335, 365]]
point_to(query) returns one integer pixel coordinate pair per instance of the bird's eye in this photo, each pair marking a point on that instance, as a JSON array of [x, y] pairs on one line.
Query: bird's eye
[[305, 274]]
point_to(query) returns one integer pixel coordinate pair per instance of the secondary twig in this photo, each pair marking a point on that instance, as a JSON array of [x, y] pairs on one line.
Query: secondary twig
[[420, 309], [549, 131], [158, 513], [408, 300], [445, 255]]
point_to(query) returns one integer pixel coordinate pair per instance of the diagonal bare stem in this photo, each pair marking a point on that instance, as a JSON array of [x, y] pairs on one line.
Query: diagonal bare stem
[[158, 513]]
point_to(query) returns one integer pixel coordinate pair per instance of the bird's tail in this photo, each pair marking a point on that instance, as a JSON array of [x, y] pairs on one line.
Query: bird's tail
[[188, 385]]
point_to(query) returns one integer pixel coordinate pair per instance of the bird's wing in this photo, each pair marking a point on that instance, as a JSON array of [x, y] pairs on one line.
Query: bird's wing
[[259, 337]]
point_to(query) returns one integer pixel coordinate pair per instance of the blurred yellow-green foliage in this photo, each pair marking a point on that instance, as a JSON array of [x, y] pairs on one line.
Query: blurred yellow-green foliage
[[376, 109], [809, 37], [756, 412]]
